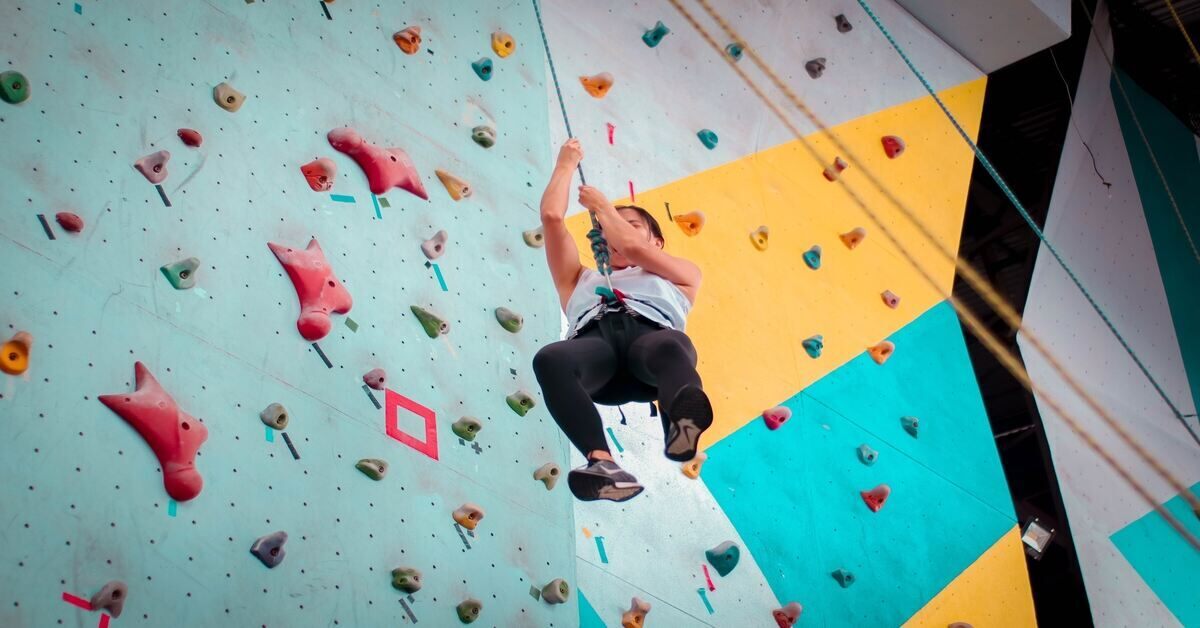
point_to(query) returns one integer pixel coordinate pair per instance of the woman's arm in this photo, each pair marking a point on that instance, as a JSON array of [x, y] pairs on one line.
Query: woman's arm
[[561, 253]]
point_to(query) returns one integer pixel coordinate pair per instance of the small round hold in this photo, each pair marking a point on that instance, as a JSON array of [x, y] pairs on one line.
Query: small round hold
[[69, 221], [843, 24], [468, 610], [190, 137], [598, 84], [484, 135], [734, 51], [111, 598], [275, 416], [815, 67], [483, 68], [556, 592], [708, 138], [503, 44], [409, 40], [14, 354], [406, 579]]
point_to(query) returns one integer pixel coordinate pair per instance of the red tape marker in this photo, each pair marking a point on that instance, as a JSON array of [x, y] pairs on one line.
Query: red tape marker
[[632, 198], [611, 128], [708, 578], [103, 620], [76, 601]]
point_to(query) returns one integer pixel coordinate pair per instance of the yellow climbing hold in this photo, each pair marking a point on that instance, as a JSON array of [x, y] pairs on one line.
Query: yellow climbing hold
[[691, 223], [758, 238], [691, 468], [503, 44], [14, 354]]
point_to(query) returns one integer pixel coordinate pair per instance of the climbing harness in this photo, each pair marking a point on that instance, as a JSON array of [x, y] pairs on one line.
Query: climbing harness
[[596, 235]]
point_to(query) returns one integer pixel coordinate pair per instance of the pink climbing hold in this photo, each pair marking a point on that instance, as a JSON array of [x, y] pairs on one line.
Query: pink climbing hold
[[875, 497], [190, 137], [319, 173], [786, 617], [319, 291], [174, 435], [831, 173], [776, 416], [153, 166], [376, 378], [385, 168], [892, 146], [69, 221]]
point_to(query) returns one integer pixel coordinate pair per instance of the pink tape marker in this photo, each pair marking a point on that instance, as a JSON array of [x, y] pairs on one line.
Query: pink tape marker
[[76, 601], [632, 198], [708, 578], [611, 128]]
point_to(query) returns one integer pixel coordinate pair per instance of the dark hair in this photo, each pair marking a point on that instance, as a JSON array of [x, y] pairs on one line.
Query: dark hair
[[655, 229]]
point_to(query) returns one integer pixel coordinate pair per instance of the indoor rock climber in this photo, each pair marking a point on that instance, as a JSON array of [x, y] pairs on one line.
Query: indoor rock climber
[[632, 348]]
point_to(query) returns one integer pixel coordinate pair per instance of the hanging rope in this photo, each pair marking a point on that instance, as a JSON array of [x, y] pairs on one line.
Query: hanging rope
[[596, 235], [991, 170], [972, 322], [1179, 23]]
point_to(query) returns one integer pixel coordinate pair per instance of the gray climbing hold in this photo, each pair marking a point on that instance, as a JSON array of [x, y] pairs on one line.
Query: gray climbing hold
[[520, 402], [430, 322], [866, 455], [548, 474], [435, 246], [816, 67], [911, 424], [468, 610], [275, 416], [466, 428], [484, 135], [535, 238], [228, 98], [374, 468], [269, 548], [406, 579], [843, 24], [509, 320], [844, 577], [724, 557], [182, 274], [556, 592], [110, 598]]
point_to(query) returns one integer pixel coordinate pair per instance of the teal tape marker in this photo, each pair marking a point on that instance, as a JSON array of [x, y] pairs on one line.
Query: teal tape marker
[[79, 8], [704, 597], [438, 271], [342, 198], [378, 214], [600, 548], [616, 442], [270, 434], [172, 507]]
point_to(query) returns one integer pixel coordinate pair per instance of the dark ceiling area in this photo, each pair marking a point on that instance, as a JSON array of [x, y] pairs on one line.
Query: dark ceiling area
[[1025, 122]]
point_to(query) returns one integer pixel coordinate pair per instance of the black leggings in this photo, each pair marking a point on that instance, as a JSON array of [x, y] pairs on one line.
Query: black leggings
[[614, 360]]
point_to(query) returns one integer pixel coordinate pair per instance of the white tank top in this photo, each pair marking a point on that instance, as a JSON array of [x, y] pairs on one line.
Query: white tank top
[[647, 294]]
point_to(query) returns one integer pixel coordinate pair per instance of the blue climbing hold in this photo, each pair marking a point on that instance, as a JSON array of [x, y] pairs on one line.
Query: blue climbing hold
[[812, 257], [654, 36], [844, 577], [483, 68], [911, 424], [734, 51], [708, 138], [812, 346], [866, 455], [724, 557]]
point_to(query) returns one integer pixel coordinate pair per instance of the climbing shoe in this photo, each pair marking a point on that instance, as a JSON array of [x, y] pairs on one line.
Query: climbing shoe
[[690, 413], [603, 479]]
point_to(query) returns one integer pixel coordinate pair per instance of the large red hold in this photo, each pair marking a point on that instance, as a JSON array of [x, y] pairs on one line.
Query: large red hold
[[174, 435], [386, 168], [319, 291]]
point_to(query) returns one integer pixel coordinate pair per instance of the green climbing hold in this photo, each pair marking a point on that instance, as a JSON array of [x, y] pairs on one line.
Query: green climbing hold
[[468, 610], [483, 68], [812, 346], [910, 424], [182, 274], [734, 51], [466, 428], [275, 416], [14, 87], [812, 257], [406, 579], [654, 36], [724, 557], [373, 468], [866, 455], [520, 402], [509, 320], [844, 578], [708, 138], [484, 135], [433, 325]]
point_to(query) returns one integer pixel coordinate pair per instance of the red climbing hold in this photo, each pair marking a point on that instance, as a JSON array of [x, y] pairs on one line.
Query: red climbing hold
[[875, 497], [319, 173], [776, 416], [174, 435], [893, 146], [786, 617], [191, 137], [69, 221], [376, 378], [319, 291], [386, 168]]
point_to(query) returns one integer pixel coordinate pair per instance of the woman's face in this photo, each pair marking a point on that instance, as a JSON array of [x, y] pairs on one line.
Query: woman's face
[[636, 221]]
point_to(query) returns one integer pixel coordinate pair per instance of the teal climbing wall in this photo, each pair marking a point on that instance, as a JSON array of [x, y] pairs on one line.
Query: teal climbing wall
[[83, 497]]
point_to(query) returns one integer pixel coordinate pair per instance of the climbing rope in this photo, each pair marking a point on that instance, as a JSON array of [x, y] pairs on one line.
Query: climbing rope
[[1179, 23], [991, 170], [596, 235], [972, 322]]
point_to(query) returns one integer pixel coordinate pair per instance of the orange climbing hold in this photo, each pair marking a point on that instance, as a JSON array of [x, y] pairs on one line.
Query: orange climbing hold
[[319, 173], [457, 188], [691, 223], [597, 85], [882, 351], [758, 238], [853, 237], [14, 354], [890, 299], [786, 617], [635, 617], [468, 516], [831, 173], [409, 40], [875, 498], [503, 44], [691, 468], [893, 146]]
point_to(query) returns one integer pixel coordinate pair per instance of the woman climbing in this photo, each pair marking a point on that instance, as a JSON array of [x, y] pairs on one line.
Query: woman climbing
[[623, 349]]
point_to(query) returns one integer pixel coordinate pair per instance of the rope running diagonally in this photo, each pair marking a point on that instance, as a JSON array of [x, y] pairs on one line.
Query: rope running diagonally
[[972, 322], [1179, 23], [991, 170], [596, 235]]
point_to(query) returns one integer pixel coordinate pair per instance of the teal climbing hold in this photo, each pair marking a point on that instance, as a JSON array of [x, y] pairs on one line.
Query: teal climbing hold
[[182, 274], [812, 257], [844, 578], [520, 402], [483, 68], [812, 346], [866, 455], [654, 36], [724, 557], [734, 51], [708, 138], [14, 87], [911, 424]]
